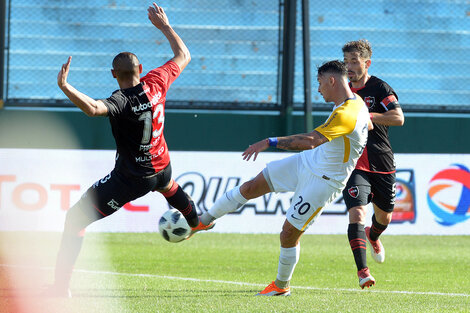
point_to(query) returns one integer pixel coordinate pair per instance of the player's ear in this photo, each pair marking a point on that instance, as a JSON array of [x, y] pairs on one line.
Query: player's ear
[[140, 68], [368, 62], [331, 80], [113, 73]]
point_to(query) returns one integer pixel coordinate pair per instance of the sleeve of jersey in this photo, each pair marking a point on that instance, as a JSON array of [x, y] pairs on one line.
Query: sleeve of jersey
[[115, 105], [340, 123], [390, 102], [390, 99], [164, 75]]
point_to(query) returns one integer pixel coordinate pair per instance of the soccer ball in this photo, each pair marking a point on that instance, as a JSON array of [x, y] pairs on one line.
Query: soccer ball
[[173, 226]]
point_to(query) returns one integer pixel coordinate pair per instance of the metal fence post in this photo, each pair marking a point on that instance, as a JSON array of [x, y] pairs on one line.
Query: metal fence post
[[308, 118], [288, 64], [2, 51]]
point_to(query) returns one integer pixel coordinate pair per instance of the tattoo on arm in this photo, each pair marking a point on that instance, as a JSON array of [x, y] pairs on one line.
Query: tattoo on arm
[[295, 142], [301, 142]]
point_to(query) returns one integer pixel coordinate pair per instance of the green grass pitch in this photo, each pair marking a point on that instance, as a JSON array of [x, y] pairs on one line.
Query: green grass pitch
[[215, 272]]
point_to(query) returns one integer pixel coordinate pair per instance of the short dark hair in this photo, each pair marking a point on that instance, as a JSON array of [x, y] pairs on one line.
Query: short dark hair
[[125, 65], [335, 67], [362, 46]]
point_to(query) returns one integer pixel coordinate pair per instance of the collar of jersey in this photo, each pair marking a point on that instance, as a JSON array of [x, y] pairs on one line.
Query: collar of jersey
[[337, 106]]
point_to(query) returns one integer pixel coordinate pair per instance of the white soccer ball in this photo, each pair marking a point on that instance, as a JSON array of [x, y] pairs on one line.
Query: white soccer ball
[[173, 226]]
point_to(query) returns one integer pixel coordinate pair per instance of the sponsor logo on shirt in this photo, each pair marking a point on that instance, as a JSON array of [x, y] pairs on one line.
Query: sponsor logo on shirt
[[149, 157], [147, 89], [146, 148], [145, 106]]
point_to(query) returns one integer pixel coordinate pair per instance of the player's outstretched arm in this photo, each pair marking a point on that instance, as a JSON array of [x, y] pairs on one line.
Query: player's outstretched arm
[[301, 142], [159, 19], [297, 142], [254, 149], [89, 106]]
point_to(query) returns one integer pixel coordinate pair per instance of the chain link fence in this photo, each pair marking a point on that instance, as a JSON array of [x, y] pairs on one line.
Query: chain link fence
[[234, 47], [420, 47]]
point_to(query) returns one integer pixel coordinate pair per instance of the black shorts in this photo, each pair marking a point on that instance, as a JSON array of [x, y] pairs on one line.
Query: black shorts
[[364, 187], [110, 193]]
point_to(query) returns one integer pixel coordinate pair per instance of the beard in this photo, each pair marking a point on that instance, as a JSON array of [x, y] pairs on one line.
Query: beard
[[354, 78]]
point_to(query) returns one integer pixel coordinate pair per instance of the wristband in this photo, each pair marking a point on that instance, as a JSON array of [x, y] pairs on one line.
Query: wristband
[[272, 141], [370, 115]]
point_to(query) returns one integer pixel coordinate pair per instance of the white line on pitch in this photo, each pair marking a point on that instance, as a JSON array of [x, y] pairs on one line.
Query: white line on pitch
[[244, 283]]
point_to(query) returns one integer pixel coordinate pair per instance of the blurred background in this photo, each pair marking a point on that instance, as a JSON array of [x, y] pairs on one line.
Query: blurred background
[[248, 68]]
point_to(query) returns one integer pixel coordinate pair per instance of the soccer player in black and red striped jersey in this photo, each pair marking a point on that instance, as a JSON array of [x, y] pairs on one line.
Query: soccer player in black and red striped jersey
[[137, 113], [373, 180]]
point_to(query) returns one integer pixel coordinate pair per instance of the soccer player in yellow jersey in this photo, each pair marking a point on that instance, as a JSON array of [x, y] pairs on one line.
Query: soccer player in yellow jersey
[[317, 175]]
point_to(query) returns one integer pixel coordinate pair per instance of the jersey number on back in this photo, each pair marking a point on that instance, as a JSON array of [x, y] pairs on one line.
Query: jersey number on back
[[147, 117]]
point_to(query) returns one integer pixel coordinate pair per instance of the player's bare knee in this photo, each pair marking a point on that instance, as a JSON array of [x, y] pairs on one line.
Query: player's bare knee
[[248, 189], [383, 217], [357, 214], [289, 236], [255, 187]]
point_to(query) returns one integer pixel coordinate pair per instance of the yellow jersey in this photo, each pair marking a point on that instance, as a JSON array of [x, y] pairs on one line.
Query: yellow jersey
[[346, 130]]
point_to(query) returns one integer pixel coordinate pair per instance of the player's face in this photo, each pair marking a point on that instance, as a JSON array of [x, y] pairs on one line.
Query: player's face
[[357, 66], [324, 87]]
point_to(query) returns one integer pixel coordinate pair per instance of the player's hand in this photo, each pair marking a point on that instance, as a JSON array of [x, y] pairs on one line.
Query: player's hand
[[254, 149], [64, 73], [157, 16]]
